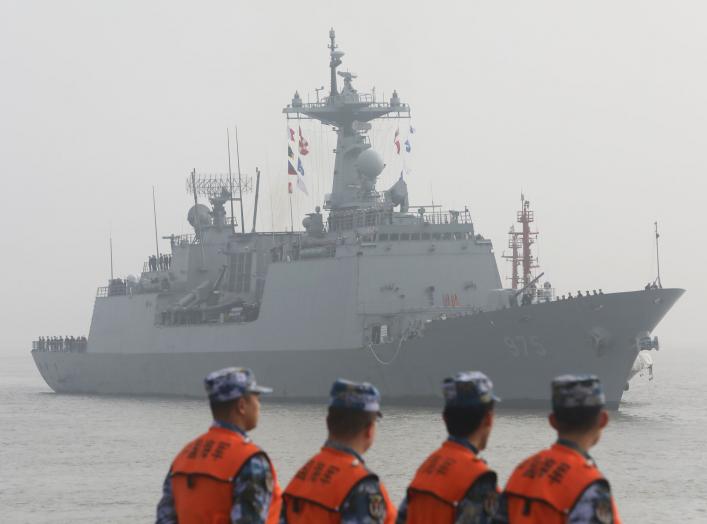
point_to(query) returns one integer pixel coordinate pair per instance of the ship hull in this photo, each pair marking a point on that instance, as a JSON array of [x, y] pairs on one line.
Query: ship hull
[[522, 349]]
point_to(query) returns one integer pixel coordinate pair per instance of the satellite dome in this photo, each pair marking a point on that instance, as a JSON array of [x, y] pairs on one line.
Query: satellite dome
[[369, 163], [203, 213]]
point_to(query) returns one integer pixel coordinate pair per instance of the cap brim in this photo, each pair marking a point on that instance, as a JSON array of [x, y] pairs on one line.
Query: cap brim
[[260, 389]]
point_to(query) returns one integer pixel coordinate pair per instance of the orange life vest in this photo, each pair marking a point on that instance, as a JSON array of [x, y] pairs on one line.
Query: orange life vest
[[203, 474], [545, 487], [441, 482], [320, 487]]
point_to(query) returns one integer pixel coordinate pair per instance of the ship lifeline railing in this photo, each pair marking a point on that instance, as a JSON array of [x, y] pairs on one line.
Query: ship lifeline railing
[[182, 240], [444, 217], [116, 287]]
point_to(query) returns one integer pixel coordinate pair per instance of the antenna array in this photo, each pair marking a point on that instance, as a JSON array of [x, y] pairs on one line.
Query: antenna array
[[209, 185]]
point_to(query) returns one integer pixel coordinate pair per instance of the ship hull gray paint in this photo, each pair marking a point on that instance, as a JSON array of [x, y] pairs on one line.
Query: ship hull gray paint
[[522, 349]]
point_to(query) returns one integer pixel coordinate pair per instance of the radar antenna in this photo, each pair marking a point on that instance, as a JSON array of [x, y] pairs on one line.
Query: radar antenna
[[218, 187]]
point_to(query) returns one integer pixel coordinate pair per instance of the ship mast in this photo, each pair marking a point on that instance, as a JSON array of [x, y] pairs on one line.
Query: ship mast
[[514, 257], [341, 110], [525, 216], [520, 243]]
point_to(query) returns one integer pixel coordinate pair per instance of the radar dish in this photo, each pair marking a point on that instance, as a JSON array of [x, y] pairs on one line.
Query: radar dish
[[199, 216], [369, 163]]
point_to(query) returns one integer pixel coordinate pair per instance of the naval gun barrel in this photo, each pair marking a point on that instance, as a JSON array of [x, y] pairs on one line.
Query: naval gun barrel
[[529, 284], [201, 293]]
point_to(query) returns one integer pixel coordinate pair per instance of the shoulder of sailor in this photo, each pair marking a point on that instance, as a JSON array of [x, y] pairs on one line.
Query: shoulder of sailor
[[594, 506], [480, 503], [365, 504]]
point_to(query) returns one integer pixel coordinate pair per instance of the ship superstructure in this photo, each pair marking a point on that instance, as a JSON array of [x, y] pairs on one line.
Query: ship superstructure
[[372, 288]]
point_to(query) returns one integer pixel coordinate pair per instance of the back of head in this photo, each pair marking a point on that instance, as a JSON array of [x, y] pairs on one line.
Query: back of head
[[462, 421], [577, 401], [577, 420], [353, 407], [221, 410], [468, 397], [345, 423]]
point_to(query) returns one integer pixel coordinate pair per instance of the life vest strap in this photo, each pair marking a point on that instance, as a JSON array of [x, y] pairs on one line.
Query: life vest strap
[[433, 495], [191, 475], [528, 501]]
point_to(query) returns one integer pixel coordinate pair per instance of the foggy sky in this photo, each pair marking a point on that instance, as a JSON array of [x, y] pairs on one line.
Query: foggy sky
[[595, 110]]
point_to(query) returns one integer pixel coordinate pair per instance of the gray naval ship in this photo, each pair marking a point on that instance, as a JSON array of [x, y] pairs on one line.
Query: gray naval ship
[[372, 289]]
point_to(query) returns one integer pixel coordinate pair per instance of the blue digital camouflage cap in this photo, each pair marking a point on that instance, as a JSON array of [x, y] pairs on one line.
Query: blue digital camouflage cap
[[574, 391], [468, 388], [229, 383], [360, 396]]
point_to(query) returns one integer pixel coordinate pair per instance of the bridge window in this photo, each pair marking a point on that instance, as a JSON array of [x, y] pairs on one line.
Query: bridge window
[[394, 236], [415, 236], [404, 236], [425, 236], [383, 237]]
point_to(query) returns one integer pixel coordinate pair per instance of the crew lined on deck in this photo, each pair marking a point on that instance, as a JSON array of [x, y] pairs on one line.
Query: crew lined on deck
[[63, 344]]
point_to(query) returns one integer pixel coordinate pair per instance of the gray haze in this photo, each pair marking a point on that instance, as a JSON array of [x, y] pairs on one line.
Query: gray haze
[[596, 111]]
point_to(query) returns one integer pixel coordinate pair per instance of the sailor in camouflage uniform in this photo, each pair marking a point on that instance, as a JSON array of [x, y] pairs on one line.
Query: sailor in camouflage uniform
[[562, 484], [454, 485], [335, 486], [222, 476]]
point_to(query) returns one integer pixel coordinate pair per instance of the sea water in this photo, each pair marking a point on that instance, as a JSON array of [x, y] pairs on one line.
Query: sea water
[[76, 458]]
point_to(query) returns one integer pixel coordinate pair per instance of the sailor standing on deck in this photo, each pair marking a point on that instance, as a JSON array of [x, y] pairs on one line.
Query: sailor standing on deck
[[454, 485], [335, 486], [562, 484], [221, 476]]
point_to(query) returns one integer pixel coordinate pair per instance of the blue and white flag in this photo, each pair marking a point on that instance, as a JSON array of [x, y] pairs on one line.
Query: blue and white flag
[[300, 177]]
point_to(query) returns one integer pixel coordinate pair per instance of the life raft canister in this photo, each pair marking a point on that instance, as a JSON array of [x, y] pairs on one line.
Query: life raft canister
[[321, 486], [203, 473], [545, 487]]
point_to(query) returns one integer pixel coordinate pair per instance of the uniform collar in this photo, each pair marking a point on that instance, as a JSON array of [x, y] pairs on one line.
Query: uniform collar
[[463, 442], [574, 446], [231, 427], [341, 447]]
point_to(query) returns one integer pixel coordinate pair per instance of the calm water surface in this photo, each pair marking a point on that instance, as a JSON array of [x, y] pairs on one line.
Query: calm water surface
[[66, 458]]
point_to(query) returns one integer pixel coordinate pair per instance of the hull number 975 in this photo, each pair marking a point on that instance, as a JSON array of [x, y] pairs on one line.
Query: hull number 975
[[525, 346]]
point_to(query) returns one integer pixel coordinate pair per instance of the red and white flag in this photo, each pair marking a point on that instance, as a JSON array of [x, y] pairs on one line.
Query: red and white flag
[[396, 141], [303, 144]]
